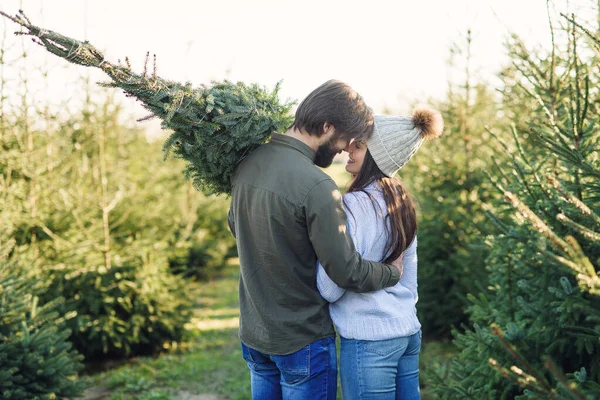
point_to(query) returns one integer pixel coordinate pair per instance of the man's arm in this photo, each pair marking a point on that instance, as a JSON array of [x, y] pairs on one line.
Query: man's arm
[[327, 288], [231, 222], [326, 223]]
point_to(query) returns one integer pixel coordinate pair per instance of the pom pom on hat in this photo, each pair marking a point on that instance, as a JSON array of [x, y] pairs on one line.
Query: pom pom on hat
[[397, 138], [429, 122]]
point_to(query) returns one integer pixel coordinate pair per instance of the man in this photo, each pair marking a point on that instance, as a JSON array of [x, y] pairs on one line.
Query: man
[[286, 213]]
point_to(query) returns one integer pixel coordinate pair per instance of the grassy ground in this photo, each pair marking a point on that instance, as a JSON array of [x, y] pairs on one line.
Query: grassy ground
[[210, 361]]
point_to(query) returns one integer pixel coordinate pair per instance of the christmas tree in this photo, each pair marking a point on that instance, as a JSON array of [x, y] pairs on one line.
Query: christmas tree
[[36, 360], [447, 179], [215, 126], [535, 332]]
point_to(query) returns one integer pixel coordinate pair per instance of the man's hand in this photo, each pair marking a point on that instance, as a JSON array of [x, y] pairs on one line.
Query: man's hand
[[398, 264]]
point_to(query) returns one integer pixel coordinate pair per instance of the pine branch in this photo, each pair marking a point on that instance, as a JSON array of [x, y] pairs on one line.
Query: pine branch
[[583, 230], [505, 229], [561, 260], [579, 204], [560, 377], [588, 277], [528, 379], [551, 87], [214, 127], [583, 29], [539, 224]]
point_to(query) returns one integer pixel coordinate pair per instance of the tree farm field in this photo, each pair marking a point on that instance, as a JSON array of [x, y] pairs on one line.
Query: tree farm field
[[208, 365]]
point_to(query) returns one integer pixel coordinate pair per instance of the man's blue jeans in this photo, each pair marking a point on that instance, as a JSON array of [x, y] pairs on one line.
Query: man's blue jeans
[[381, 369], [308, 374]]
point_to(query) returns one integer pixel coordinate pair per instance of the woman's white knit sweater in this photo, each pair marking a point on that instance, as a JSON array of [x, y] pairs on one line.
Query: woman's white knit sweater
[[384, 314]]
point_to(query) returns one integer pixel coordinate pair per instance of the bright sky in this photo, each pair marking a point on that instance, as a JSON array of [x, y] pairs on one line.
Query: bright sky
[[392, 52]]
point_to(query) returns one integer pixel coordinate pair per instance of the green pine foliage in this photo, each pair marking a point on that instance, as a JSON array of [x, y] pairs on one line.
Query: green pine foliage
[[535, 332], [215, 126], [122, 311], [230, 120], [201, 241], [97, 215], [450, 186], [36, 359], [448, 182], [117, 205]]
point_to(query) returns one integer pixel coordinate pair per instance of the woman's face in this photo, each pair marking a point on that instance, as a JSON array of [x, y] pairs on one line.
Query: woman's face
[[356, 154]]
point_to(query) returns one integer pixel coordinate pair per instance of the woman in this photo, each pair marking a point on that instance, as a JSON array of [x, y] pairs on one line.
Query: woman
[[380, 332]]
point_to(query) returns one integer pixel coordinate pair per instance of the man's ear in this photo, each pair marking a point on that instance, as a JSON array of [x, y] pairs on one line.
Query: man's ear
[[328, 128]]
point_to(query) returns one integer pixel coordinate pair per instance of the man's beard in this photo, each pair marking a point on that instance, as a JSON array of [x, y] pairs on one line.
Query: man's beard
[[325, 154]]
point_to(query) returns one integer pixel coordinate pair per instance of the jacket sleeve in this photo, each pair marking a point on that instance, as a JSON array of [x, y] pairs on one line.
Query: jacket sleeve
[[231, 222], [326, 222], [327, 288]]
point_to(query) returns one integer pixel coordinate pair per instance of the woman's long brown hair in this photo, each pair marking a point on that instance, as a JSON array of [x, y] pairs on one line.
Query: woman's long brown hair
[[400, 209]]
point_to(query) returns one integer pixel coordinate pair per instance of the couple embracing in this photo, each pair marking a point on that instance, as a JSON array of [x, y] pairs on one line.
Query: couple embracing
[[311, 258]]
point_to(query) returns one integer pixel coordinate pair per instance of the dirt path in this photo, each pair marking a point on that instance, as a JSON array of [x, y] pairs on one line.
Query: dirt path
[[99, 393], [182, 395]]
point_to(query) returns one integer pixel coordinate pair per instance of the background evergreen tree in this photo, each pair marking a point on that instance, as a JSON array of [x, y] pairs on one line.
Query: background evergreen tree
[[112, 266], [448, 183], [535, 333], [36, 359], [201, 241]]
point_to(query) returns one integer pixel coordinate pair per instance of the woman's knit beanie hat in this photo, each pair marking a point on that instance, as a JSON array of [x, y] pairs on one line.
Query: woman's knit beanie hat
[[397, 138]]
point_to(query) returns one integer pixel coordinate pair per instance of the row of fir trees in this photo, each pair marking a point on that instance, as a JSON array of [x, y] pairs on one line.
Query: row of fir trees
[[510, 225], [99, 238]]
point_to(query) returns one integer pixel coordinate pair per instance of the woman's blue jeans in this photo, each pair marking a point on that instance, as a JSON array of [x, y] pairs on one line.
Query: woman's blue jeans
[[308, 374], [381, 369]]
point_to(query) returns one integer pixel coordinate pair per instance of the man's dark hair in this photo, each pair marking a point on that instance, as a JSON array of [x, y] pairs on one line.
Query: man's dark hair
[[337, 103]]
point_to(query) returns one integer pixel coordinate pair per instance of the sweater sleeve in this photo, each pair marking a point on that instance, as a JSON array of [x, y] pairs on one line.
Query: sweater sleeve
[[409, 264], [327, 288]]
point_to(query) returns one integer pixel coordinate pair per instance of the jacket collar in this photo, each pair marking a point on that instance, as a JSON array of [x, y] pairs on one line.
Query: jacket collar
[[294, 143]]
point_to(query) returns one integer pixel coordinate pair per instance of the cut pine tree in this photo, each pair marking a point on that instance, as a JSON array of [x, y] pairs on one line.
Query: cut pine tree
[[214, 126]]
